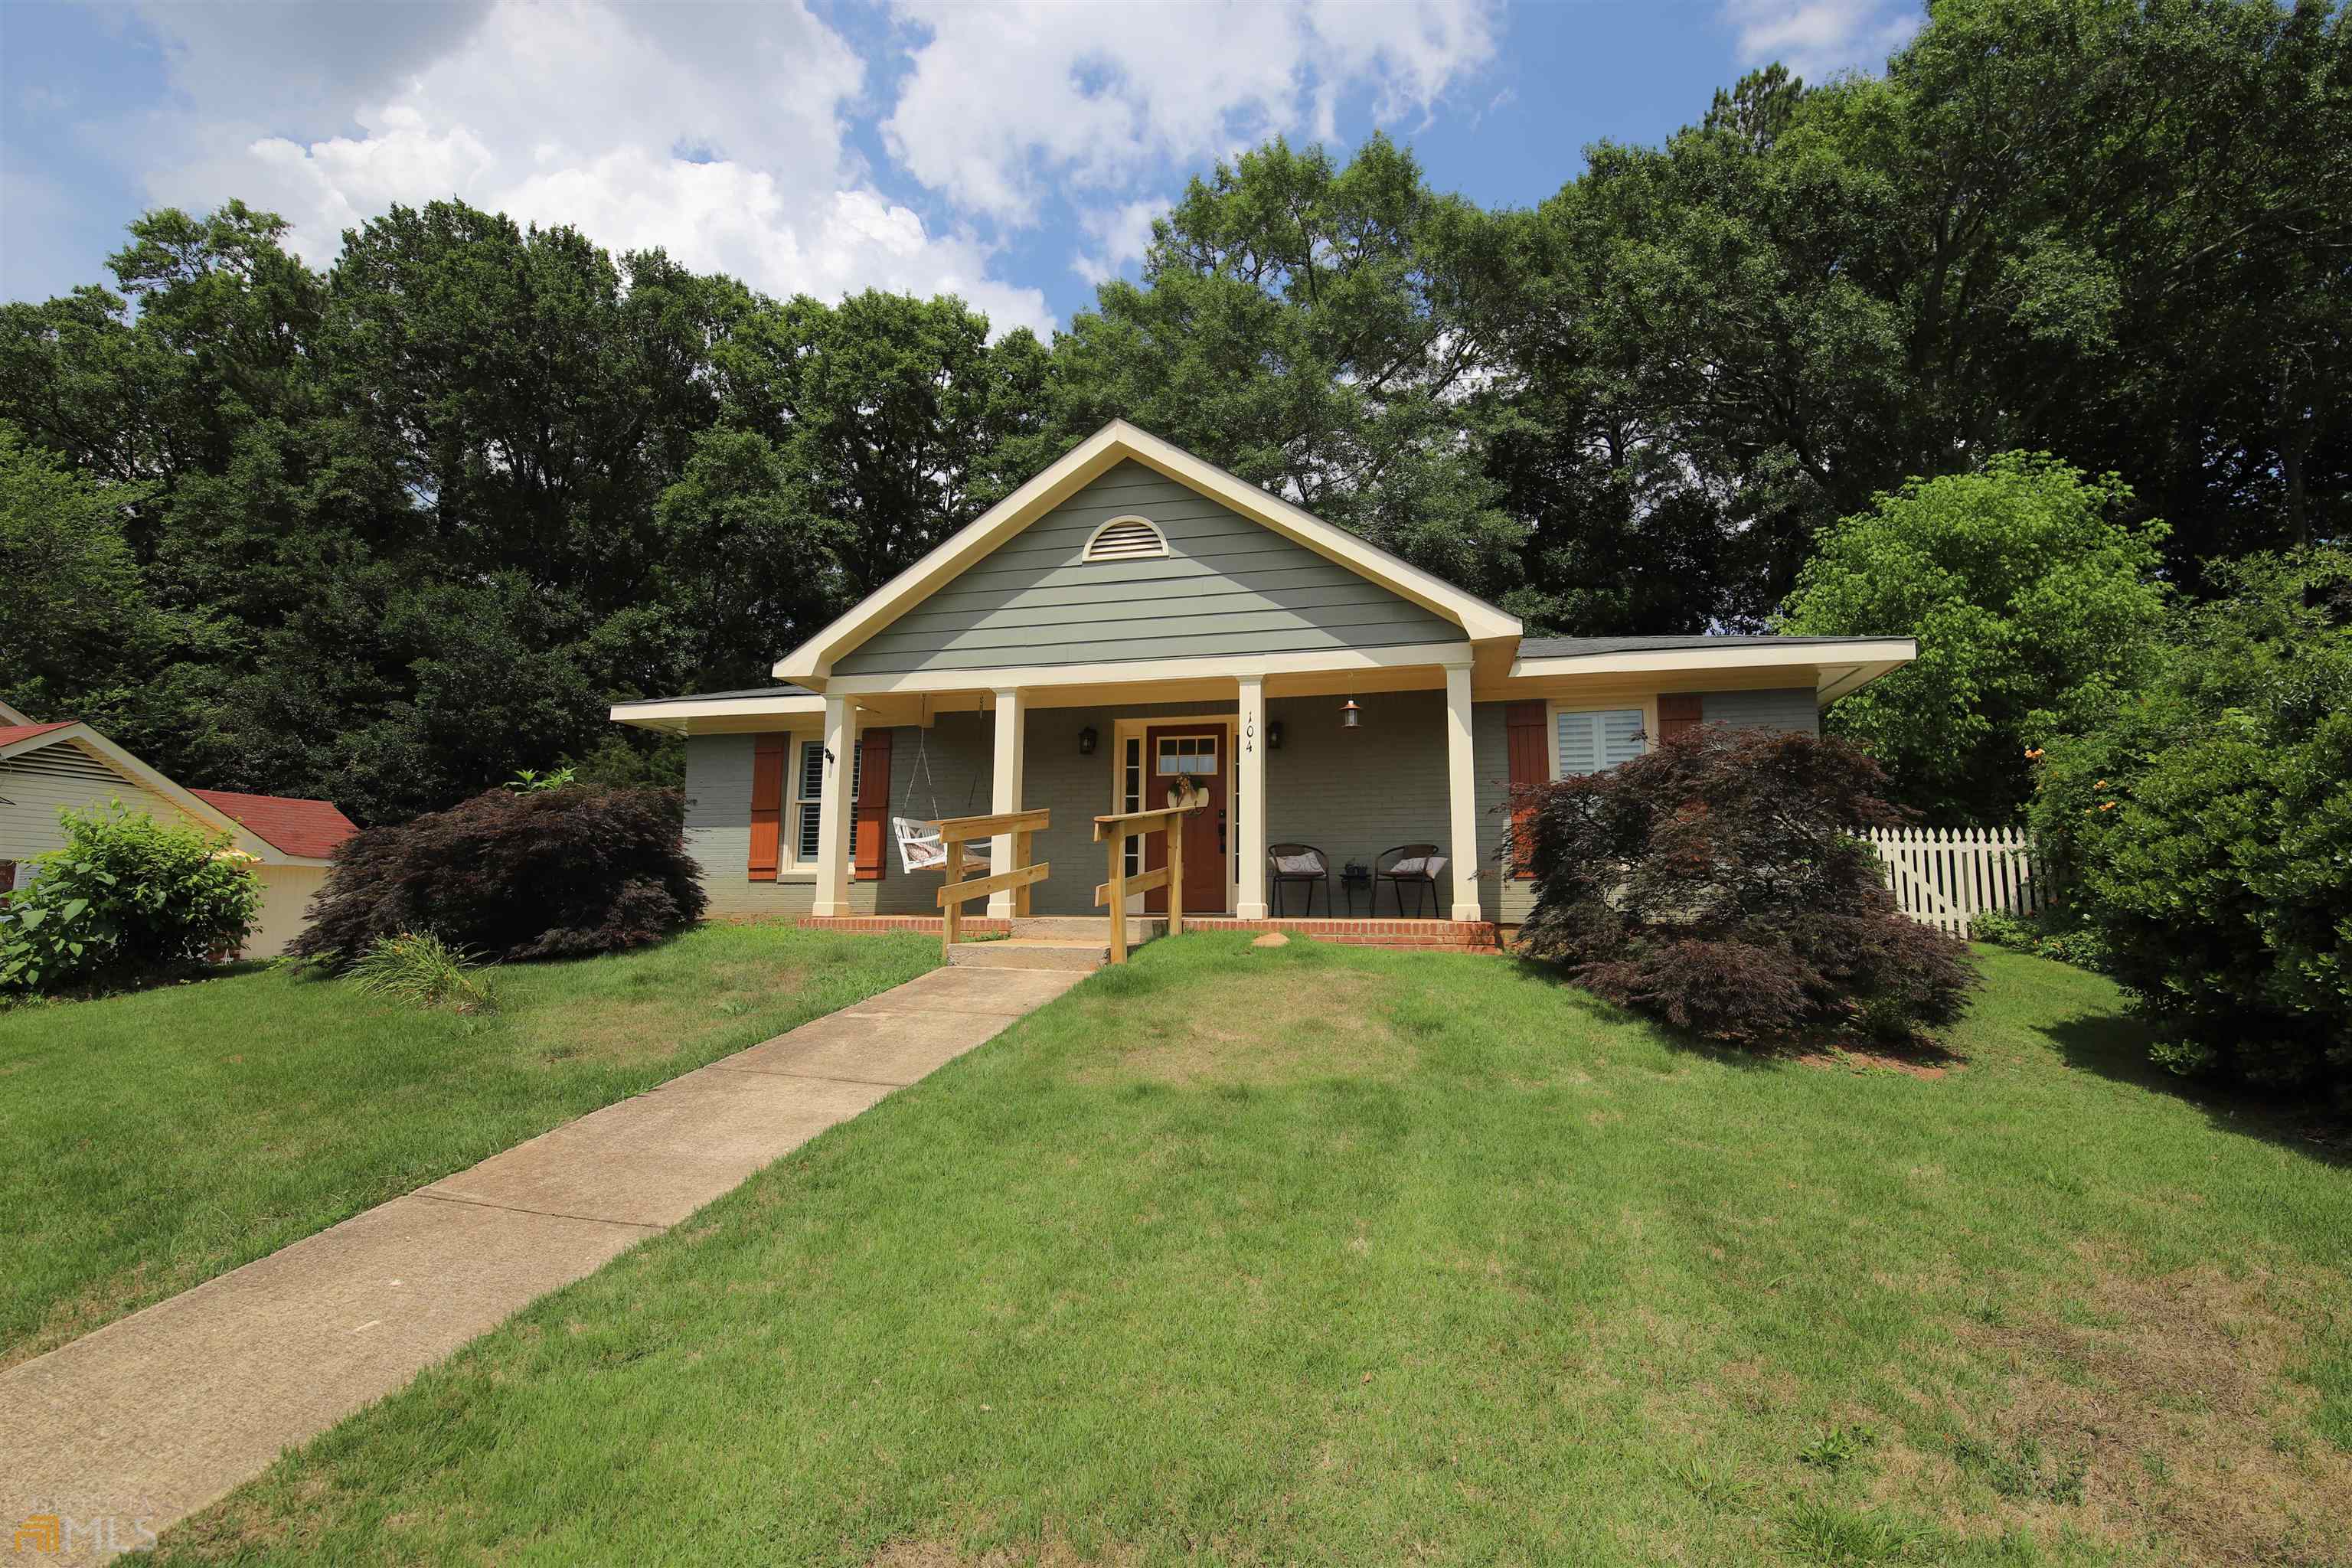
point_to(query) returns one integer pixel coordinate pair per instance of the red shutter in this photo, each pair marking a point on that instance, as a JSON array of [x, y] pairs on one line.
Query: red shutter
[[767, 804], [872, 804], [1679, 712], [1523, 725]]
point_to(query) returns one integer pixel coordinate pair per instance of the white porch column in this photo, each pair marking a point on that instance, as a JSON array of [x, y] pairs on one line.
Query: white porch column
[[1249, 799], [835, 811], [1012, 738], [1461, 795]]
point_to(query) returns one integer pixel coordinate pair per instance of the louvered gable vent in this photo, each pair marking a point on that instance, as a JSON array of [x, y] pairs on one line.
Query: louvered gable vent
[[1126, 539]]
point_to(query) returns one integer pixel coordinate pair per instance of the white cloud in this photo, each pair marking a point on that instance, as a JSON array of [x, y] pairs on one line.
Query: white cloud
[[1006, 104], [715, 133], [1817, 38], [1120, 234]]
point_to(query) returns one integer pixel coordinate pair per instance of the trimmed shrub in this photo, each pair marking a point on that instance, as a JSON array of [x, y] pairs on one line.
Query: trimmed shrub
[[1715, 883], [126, 900], [2202, 828], [544, 874]]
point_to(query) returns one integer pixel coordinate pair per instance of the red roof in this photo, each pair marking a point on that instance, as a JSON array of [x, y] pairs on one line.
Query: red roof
[[12, 733], [310, 829]]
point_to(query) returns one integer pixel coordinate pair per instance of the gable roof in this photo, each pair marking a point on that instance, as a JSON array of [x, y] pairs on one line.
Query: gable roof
[[1116, 442], [309, 828], [195, 803]]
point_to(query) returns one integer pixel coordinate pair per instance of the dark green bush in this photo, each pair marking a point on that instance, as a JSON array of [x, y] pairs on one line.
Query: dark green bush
[[2203, 826], [126, 900], [1715, 883], [547, 873]]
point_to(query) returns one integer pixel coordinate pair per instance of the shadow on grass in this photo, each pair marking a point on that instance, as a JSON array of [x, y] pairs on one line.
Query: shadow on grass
[[2115, 1045], [1543, 972]]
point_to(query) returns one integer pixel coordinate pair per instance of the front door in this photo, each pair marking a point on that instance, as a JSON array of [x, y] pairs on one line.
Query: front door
[[1195, 752]]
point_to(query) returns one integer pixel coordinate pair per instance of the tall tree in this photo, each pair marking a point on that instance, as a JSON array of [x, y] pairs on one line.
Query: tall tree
[[2028, 597], [1318, 329]]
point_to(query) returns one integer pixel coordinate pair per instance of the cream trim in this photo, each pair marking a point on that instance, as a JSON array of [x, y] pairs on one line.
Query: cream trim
[[147, 777], [1886, 652], [670, 715], [16, 716], [1090, 459], [1088, 556], [1230, 667]]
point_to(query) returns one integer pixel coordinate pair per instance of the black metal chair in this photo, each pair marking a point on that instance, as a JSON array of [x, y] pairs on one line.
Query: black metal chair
[[1417, 866], [1298, 863]]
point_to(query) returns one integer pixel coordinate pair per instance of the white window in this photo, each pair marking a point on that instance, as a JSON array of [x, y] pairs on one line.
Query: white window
[[1185, 755], [1124, 539], [1130, 797], [808, 789], [1588, 742]]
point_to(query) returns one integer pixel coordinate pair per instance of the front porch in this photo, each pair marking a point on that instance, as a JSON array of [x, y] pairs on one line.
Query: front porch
[[1272, 753], [1397, 936]]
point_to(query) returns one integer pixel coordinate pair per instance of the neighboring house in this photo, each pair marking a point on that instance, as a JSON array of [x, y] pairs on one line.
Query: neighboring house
[[46, 767], [1133, 615]]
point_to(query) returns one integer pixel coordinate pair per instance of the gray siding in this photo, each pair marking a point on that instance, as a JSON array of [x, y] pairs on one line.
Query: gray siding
[[1354, 793], [1791, 708], [1229, 586], [1500, 898]]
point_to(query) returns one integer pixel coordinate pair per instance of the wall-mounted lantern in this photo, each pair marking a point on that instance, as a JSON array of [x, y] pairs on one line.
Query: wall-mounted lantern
[[1273, 734], [1087, 739], [1351, 716]]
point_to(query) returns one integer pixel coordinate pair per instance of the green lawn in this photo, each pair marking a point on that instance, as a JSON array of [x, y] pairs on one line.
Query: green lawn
[[157, 1140], [1319, 1255]]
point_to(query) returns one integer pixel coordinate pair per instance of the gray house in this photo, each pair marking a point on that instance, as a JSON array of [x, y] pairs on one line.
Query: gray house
[[1134, 619]]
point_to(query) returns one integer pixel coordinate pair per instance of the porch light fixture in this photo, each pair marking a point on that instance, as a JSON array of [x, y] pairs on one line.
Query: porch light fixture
[[1087, 739], [1351, 716], [1273, 735]]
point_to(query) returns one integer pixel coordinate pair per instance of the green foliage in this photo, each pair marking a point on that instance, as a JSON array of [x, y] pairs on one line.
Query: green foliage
[[2062, 941], [417, 519], [2027, 594], [528, 781], [71, 599], [419, 968], [126, 899], [2203, 825]]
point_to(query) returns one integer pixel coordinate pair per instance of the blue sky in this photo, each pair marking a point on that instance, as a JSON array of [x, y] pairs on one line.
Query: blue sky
[[1012, 154]]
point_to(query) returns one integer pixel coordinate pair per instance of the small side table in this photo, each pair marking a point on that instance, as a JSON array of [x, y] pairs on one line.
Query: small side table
[[1352, 877]]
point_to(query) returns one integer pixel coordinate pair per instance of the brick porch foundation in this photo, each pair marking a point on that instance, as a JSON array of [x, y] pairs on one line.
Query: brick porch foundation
[[1396, 935]]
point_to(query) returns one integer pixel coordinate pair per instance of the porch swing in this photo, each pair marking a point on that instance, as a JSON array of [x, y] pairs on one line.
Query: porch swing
[[921, 848]]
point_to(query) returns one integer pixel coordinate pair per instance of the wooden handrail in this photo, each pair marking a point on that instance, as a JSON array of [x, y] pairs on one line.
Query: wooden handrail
[[962, 829], [1107, 825], [1116, 827], [1023, 826]]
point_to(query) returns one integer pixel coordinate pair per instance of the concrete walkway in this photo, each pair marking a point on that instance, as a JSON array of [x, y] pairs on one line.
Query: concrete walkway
[[142, 1422]]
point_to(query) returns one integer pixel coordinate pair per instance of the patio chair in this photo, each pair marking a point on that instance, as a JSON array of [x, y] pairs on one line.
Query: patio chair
[[1417, 866], [1298, 863]]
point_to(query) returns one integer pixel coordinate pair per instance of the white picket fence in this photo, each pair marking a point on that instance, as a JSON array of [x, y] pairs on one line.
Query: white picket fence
[[1946, 877]]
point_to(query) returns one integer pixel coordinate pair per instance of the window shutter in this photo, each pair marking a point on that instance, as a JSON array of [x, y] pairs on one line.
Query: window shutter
[[873, 803], [1679, 712], [1523, 730], [767, 804]]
